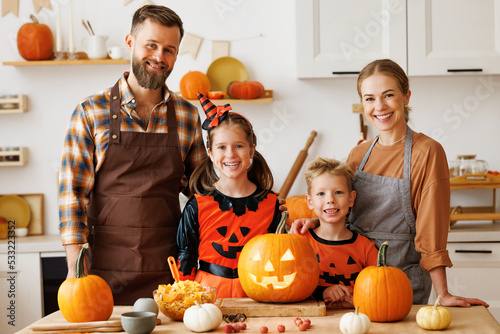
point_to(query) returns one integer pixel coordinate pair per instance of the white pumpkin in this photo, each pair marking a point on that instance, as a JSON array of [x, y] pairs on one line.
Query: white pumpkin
[[202, 317], [354, 323]]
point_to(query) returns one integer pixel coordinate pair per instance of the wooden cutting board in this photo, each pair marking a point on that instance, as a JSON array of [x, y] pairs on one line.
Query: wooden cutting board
[[251, 308]]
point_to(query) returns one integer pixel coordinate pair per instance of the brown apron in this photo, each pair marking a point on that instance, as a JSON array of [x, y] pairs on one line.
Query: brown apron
[[134, 211]]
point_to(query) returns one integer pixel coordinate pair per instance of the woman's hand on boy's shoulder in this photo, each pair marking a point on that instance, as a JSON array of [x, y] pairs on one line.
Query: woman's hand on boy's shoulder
[[302, 225], [282, 203]]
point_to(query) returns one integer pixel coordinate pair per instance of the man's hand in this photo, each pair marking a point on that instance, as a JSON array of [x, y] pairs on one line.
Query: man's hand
[[72, 252], [302, 225]]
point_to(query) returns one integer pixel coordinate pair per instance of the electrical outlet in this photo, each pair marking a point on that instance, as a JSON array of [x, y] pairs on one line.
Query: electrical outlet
[[357, 107]]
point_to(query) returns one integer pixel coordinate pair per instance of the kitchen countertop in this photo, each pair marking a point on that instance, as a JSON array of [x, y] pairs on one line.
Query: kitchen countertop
[[34, 243], [460, 232], [476, 319]]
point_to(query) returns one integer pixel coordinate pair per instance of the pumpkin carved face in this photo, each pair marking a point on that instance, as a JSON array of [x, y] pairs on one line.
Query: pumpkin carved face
[[279, 268]]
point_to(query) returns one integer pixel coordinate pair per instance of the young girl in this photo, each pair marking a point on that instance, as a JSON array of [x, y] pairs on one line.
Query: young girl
[[230, 206]]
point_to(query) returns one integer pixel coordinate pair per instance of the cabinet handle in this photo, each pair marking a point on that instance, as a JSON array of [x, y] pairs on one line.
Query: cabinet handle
[[454, 70], [477, 251], [346, 72]]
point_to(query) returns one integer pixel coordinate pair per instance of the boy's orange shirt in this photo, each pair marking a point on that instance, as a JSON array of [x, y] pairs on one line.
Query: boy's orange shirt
[[340, 262]]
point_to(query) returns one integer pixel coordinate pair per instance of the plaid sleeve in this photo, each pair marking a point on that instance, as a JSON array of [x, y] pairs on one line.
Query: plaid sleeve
[[76, 178], [190, 135]]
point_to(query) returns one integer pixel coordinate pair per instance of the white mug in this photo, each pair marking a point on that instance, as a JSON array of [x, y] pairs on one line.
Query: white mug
[[95, 46], [115, 52]]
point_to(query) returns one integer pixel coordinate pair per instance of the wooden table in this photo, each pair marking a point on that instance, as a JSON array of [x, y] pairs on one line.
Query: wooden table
[[476, 319]]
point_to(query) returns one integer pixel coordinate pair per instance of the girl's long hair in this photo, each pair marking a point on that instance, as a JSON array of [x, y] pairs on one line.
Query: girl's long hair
[[204, 176]]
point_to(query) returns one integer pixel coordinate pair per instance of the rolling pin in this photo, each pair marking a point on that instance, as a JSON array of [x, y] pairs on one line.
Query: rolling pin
[[292, 175]]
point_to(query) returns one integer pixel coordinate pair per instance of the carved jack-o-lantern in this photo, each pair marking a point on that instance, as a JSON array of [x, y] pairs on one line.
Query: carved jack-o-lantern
[[280, 268]]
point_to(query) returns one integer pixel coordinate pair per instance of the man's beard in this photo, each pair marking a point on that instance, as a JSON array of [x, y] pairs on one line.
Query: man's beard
[[146, 79]]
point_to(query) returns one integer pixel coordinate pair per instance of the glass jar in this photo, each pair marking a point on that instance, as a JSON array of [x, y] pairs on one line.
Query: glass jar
[[14, 157], [469, 165]]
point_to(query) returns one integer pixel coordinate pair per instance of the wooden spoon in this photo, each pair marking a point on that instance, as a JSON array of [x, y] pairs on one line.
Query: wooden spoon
[[173, 268]]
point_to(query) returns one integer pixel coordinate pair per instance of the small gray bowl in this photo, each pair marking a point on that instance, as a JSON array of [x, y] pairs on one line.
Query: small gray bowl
[[138, 322]]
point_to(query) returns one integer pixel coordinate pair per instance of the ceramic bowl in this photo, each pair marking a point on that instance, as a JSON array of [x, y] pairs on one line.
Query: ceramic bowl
[[138, 322], [21, 232], [173, 305]]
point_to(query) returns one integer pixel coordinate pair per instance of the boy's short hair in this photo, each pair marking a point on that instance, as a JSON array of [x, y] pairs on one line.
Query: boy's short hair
[[320, 166]]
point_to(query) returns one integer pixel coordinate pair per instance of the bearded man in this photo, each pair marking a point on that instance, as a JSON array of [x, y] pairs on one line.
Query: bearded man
[[128, 152]]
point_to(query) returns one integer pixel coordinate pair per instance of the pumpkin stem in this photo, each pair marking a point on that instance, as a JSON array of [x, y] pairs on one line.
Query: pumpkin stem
[[381, 254], [437, 302], [356, 310], [282, 223], [34, 19], [79, 268]]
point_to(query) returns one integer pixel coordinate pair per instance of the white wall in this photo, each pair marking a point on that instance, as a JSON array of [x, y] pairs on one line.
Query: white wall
[[460, 111]]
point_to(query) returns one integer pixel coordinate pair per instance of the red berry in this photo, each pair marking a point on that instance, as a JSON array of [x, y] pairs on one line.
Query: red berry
[[228, 329], [303, 327], [298, 322], [243, 326], [307, 320], [236, 328], [281, 328], [264, 329]]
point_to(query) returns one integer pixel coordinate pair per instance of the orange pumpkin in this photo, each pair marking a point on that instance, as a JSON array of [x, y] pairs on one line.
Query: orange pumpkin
[[383, 293], [245, 90], [297, 208], [35, 41], [279, 268], [192, 82], [84, 297]]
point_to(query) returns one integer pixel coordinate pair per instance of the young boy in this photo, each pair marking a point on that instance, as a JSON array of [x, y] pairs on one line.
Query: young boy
[[341, 253]]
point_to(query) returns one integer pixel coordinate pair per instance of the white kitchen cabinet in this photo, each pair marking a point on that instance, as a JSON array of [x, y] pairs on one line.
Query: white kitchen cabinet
[[21, 285], [474, 249], [476, 272], [453, 36], [425, 37], [21, 289], [338, 37]]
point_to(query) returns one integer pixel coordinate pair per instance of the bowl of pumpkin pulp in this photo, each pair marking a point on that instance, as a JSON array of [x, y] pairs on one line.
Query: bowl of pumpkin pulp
[[174, 299]]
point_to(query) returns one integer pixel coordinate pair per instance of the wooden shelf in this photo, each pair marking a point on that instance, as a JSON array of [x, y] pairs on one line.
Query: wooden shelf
[[475, 181], [267, 98], [67, 62], [22, 155], [20, 104]]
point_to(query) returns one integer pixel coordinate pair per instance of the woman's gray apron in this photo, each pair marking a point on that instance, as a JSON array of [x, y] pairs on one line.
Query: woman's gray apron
[[383, 211]]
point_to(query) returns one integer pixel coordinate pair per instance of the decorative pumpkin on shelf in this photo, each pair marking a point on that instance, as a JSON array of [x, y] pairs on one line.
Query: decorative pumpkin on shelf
[[202, 317], [35, 41], [245, 90], [433, 317], [84, 297], [192, 82], [280, 268], [297, 208], [354, 323], [382, 292]]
